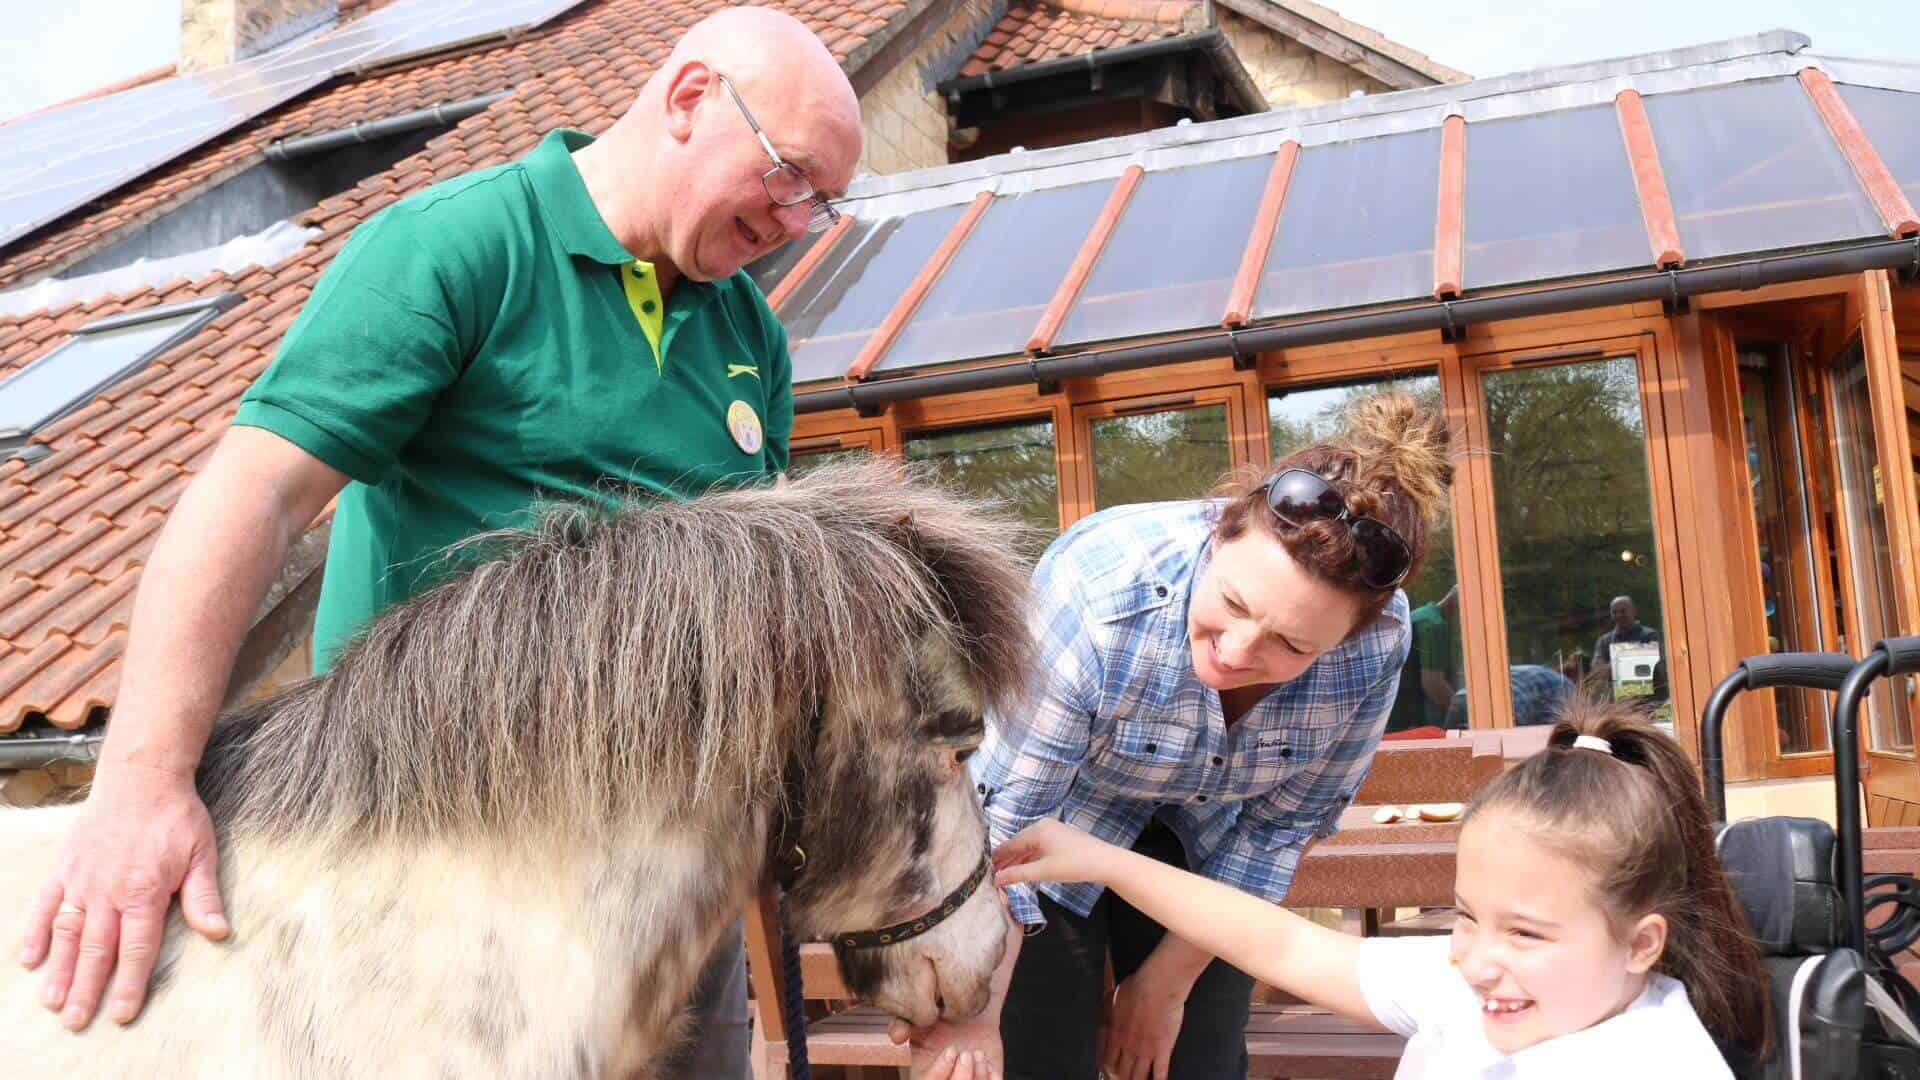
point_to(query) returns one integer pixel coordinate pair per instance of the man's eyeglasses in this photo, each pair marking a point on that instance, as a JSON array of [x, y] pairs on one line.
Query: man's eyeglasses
[[785, 184], [1297, 496]]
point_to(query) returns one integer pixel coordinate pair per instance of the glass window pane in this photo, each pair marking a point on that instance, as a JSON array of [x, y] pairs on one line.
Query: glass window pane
[[1573, 505], [1550, 196], [1011, 463], [70, 375], [1433, 689], [771, 269], [1891, 119], [1357, 227], [1152, 457], [1778, 489], [833, 312], [992, 294], [1863, 506], [806, 461], [1752, 167], [1145, 282]]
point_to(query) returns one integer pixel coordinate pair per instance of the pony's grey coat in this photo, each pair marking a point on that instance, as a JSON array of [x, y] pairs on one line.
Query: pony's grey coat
[[501, 836]]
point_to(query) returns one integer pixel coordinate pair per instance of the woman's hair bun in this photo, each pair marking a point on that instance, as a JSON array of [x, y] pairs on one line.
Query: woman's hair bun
[[1398, 442]]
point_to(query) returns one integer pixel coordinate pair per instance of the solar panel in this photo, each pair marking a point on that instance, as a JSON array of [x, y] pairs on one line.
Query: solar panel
[[57, 161]]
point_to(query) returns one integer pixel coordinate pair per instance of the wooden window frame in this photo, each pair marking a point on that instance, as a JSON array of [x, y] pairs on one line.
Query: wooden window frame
[[1232, 395], [1687, 683], [1755, 723], [870, 439], [1870, 317], [921, 418]]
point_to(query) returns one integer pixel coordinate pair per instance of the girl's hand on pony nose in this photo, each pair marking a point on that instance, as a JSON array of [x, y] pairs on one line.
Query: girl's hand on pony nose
[[1051, 851]]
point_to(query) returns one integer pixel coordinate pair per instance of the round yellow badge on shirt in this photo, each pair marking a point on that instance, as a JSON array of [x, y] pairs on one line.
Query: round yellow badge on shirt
[[744, 423]]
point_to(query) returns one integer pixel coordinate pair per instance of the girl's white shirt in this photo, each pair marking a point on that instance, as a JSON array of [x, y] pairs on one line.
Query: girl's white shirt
[[1414, 991]]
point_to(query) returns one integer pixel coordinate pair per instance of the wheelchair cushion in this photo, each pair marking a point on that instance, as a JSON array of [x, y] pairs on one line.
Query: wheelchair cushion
[[1782, 870]]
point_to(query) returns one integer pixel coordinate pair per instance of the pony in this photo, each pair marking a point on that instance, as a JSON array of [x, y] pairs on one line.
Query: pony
[[502, 835]]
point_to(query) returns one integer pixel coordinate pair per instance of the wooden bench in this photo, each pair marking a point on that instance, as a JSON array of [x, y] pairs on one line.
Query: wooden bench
[[854, 1037], [1297, 1041]]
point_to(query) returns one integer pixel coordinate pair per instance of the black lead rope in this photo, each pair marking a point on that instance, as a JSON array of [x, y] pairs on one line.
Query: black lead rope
[[798, 1068], [787, 859]]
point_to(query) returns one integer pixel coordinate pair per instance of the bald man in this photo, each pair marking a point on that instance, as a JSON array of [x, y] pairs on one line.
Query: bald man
[[569, 324]]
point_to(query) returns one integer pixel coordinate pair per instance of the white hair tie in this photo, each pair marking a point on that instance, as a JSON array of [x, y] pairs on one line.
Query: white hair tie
[[1593, 742]]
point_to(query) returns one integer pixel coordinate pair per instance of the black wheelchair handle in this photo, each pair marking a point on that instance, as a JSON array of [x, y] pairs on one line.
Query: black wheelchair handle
[[1903, 652], [1815, 670], [1812, 670]]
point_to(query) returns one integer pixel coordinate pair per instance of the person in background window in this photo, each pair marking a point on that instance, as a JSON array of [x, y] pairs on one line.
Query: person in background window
[[1215, 678], [1538, 693], [1574, 666], [1433, 638], [1626, 630]]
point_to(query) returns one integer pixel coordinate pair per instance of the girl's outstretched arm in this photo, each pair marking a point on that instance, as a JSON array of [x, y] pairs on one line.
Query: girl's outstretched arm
[[1268, 942]]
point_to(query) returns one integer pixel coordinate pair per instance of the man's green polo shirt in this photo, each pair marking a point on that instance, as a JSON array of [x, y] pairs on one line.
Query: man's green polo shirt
[[483, 346]]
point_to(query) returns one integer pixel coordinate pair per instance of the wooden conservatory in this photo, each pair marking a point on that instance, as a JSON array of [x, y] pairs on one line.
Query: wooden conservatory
[[1667, 304]]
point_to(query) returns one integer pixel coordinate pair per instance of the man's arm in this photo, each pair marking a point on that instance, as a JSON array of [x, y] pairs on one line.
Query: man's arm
[[143, 833]]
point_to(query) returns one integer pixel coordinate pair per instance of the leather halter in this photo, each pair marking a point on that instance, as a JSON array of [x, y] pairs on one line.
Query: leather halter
[[787, 859], [913, 928]]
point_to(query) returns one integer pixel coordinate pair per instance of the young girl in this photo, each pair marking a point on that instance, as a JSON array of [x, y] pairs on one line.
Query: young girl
[[1596, 935]]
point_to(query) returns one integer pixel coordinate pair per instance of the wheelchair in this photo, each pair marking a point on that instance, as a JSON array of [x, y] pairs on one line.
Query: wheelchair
[[1841, 1008]]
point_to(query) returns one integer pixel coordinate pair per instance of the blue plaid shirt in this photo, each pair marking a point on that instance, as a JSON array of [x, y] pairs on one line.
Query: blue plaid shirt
[[1120, 728]]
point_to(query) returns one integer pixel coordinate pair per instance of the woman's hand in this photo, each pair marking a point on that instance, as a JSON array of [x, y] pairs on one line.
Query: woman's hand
[[955, 1049], [953, 1065], [1142, 1023], [1052, 851]]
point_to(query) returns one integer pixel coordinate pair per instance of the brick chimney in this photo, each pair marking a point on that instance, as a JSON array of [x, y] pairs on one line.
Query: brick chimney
[[216, 32]]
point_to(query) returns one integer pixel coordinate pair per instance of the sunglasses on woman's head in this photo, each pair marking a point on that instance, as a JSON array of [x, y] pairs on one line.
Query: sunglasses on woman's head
[[1297, 496]]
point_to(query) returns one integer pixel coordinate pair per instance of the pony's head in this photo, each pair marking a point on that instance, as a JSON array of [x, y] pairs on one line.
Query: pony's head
[[895, 873]]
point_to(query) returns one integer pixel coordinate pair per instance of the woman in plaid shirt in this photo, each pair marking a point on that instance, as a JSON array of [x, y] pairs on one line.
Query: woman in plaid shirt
[[1216, 676]]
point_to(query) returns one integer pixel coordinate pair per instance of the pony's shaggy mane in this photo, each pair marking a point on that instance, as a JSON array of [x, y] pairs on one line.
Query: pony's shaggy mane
[[686, 643]]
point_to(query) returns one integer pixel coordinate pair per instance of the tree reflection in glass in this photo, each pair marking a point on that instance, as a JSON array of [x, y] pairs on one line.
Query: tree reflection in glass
[[1152, 457], [1572, 503], [1010, 463]]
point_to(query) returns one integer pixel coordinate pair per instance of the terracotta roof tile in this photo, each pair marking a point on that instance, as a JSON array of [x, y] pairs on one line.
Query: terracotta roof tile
[[77, 526], [43, 605], [71, 673], [106, 608], [1032, 31], [17, 675], [135, 496], [47, 558]]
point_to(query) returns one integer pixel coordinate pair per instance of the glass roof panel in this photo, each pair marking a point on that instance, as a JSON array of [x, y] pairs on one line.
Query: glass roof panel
[[831, 315], [1891, 119], [1751, 167], [1170, 262], [992, 294], [1357, 226], [1550, 196], [769, 270]]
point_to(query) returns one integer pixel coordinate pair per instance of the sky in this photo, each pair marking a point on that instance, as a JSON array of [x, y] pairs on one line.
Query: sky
[[67, 47]]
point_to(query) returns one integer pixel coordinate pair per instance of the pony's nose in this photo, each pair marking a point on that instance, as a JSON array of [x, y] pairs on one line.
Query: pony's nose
[[962, 998]]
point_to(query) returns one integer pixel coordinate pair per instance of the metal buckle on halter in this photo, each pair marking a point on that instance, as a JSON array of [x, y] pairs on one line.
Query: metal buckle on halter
[[913, 928]]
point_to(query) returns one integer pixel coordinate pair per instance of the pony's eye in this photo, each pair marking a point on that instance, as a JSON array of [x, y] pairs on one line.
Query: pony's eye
[[960, 756]]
